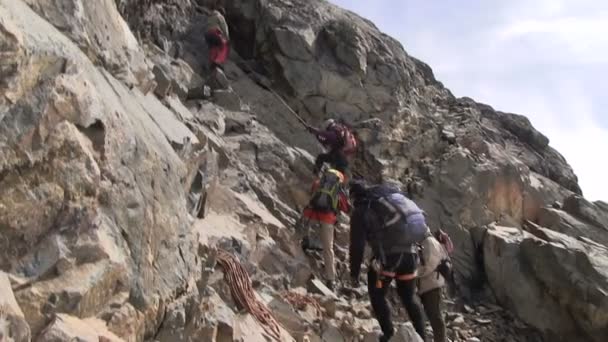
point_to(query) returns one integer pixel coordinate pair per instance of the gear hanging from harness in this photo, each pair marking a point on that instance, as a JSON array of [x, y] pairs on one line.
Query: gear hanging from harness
[[446, 266], [379, 268]]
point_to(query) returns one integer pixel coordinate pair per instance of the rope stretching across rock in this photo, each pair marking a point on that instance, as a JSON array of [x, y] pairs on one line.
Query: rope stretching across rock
[[300, 301], [243, 293]]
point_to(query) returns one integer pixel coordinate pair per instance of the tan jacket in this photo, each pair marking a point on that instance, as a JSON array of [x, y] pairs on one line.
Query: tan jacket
[[428, 278], [217, 20]]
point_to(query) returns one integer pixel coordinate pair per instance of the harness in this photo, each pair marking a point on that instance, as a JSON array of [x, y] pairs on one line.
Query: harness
[[382, 274], [378, 266]]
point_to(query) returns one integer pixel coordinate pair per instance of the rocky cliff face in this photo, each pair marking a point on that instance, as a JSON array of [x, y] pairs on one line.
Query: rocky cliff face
[[117, 183]]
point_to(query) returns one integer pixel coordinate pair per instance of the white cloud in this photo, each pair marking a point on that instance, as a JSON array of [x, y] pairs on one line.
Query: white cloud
[[580, 39]]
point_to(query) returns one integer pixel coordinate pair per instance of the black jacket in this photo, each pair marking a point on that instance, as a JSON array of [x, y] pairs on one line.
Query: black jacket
[[367, 226], [335, 158]]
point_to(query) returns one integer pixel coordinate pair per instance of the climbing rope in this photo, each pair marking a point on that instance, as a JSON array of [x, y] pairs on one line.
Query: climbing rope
[[244, 295], [278, 97], [300, 301]]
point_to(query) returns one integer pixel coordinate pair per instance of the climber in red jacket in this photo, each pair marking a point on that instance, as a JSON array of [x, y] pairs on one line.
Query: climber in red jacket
[[217, 37]]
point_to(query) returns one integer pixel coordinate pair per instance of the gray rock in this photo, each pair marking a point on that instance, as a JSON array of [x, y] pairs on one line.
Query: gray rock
[[289, 317], [331, 333], [543, 290], [227, 99], [317, 286], [596, 215], [523, 129], [69, 328], [218, 80], [348, 46], [458, 321], [13, 326], [163, 83], [567, 267], [102, 163], [101, 183], [197, 317], [295, 44], [448, 135], [124, 320], [98, 29], [563, 222], [406, 333]]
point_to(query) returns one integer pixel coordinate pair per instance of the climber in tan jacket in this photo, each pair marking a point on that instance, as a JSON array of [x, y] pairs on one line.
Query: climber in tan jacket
[[431, 283]]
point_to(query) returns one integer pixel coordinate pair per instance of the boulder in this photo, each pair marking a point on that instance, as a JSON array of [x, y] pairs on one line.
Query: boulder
[[567, 267], [563, 222], [247, 328], [289, 317], [197, 317], [406, 333], [550, 270], [94, 155], [331, 333], [521, 127], [99, 30], [81, 292], [13, 326], [123, 319], [295, 43], [163, 82], [347, 43], [172, 76], [69, 328], [316, 286], [227, 99], [594, 214]]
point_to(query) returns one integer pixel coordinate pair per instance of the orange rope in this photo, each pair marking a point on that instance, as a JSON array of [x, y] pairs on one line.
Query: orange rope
[[243, 293], [300, 301]]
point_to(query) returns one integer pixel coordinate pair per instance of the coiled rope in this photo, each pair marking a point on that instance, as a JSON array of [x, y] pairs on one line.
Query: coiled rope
[[244, 295]]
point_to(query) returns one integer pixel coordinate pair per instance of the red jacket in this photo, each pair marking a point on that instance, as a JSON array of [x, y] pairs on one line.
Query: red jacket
[[327, 216]]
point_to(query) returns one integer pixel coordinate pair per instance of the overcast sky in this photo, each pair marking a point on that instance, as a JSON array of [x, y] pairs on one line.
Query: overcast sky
[[546, 59]]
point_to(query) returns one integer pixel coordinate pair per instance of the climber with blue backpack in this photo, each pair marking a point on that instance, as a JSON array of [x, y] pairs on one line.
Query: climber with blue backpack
[[393, 225], [339, 141], [327, 201]]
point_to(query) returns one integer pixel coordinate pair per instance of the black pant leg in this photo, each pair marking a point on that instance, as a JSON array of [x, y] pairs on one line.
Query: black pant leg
[[377, 297], [407, 293], [321, 158], [407, 264]]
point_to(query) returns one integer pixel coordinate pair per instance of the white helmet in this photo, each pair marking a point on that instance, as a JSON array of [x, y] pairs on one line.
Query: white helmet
[[328, 123]]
